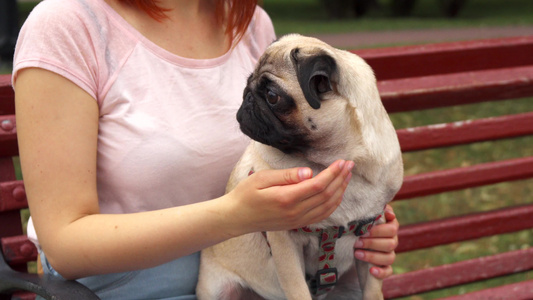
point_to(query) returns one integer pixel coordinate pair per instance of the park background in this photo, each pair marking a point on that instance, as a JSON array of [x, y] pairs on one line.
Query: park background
[[383, 25]]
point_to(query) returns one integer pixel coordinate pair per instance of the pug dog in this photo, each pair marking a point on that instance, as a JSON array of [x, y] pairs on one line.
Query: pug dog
[[309, 104]]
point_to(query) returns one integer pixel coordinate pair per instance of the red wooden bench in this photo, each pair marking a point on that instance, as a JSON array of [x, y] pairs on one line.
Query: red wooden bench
[[410, 78], [440, 75]]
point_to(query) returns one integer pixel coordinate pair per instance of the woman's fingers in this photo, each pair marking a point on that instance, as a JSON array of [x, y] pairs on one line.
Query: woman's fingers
[[386, 230], [377, 244], [283, 199], [325, 182], [376, 258], [321, 205], [389, 213], [381, 272], [306, 195], [269, 178]]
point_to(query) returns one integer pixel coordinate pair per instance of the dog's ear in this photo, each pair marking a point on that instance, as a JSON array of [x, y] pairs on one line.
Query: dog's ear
[[314, 75]]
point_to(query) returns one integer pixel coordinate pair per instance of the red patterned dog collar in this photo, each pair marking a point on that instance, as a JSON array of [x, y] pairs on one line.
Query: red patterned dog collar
[[326, 276]]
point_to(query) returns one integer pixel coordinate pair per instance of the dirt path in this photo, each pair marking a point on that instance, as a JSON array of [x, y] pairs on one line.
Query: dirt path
[[403, 37]]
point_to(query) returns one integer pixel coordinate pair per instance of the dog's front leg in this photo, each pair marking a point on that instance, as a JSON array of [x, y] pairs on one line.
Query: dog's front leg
[[370, 285], [289, 262]]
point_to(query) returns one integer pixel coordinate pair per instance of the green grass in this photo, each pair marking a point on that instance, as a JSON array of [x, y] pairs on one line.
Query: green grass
[[309, 16], [5, 69], [428, 160]]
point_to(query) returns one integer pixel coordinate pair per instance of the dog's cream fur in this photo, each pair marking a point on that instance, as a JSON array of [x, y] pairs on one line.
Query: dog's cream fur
[[351, 124]]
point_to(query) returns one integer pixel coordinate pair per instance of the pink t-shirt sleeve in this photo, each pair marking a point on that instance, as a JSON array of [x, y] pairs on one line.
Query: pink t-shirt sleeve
[[56, 37]]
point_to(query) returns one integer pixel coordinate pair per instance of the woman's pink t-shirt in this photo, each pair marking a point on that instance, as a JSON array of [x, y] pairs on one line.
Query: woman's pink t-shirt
[[167, 129]]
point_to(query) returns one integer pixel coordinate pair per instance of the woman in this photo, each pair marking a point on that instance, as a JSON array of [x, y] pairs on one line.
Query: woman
[[125, 114]]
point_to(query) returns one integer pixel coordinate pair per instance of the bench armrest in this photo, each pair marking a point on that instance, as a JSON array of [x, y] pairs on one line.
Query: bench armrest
[[47, 287]]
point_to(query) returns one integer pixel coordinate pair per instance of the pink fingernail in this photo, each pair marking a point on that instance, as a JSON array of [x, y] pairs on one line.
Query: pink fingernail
[[304, 173], [341, 164], [350, 165], [359, 254], [374, 271]]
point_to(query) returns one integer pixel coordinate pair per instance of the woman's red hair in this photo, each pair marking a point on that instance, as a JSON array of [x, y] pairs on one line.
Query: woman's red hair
[[234, 14]]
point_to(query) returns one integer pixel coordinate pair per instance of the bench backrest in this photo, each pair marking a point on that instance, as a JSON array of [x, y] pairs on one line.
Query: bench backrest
[[17, 249], [409, 78]]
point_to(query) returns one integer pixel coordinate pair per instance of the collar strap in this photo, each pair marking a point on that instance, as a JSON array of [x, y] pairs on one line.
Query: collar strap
[[358, 228], [326, 276]]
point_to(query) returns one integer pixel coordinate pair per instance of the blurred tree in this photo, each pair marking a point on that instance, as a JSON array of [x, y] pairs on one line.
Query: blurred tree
[[402, 7], [342, 8], [452, 7], [362, 6], [9, 29]]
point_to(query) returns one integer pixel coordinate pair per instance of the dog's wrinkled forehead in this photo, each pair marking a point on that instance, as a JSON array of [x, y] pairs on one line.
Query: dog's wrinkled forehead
[[278, 55], [273, 61]]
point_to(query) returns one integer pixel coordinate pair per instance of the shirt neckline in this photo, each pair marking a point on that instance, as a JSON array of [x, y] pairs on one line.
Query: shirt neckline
[[159, 51]]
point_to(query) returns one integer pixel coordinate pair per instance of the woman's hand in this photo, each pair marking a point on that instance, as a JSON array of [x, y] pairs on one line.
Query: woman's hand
[[377, 246], [273, 200]]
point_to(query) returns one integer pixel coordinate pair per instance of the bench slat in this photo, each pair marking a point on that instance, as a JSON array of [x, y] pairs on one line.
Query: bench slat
[[7, 96], [458, 273], [516, 291], [456, 89], [460, 178], [446, 58], [8, 136], [7, 219], [12, 196], [461, 228], [464, 132], [18, 249], [413, 93]]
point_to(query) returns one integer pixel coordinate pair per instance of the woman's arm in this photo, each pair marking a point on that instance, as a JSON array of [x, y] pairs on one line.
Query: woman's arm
[[57, 124]]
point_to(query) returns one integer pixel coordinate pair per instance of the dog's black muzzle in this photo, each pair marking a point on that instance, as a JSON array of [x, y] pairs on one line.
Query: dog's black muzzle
[[259, 122]]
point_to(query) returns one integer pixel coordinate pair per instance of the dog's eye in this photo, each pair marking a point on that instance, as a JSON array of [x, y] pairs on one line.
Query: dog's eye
[[272, 97]]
